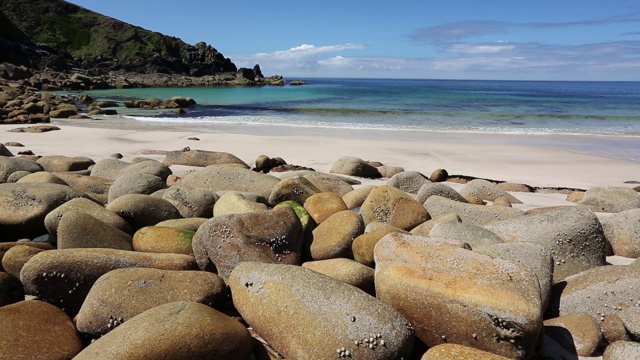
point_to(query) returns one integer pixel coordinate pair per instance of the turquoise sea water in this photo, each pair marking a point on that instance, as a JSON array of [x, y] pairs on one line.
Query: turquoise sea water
[[456, 106]]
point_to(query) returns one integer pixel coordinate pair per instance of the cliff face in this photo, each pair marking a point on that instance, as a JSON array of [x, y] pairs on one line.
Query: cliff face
[[69, 36]]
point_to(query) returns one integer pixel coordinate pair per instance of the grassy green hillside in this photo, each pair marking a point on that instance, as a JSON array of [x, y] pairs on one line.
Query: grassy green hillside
[[91, 37]]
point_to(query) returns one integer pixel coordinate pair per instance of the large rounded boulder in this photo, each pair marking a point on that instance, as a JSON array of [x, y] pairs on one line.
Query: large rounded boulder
[[306, 315]]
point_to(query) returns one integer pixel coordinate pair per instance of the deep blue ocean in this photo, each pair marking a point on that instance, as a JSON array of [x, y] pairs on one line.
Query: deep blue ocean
[[497, 107]]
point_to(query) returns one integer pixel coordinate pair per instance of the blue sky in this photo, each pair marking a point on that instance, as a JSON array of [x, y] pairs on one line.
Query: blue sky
[[452, 39]]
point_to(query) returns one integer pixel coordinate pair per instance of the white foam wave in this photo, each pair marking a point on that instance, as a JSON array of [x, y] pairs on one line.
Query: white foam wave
[[442, 127]]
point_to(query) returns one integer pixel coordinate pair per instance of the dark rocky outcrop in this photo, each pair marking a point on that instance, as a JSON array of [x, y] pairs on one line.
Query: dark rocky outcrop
[[69, 47]]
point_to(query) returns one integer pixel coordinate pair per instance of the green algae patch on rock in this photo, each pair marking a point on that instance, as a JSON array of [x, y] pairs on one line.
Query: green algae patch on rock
[[161, 239]]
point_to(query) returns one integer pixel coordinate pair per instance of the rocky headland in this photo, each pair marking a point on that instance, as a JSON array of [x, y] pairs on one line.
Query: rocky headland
[[55, 45]]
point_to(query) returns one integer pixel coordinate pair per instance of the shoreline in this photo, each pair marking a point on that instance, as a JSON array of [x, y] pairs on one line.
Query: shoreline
[[535, 160]]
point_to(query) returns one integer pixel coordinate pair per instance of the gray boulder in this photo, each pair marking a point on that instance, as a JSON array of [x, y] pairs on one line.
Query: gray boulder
[[24, 206], [471, 234], [81, 230], [143, 210], [202, 158], [408, 181], [611, 199], [88, 207], [273, 236], [229, 177], [183, 330], [64, 277], [531, 255], [297, 189], [354, 166], [191, 203], [429, 189], [9, 165], [622, 230], [478, 190], [573, 235], [132, 183], [101, 311], [479, 215], [306, 315], [65, 163]]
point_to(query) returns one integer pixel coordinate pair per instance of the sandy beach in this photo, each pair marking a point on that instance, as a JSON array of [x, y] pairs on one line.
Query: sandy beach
[[541, 161]]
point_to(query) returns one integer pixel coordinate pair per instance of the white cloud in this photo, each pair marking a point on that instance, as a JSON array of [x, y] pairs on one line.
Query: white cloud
[[462, 60], [478, 49]]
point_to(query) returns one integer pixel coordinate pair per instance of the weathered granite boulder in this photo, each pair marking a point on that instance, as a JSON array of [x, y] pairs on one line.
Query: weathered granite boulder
[[297, 189], [149, 167], [622, 231], [23, 207], [333, 237], [363, 246], [328, 182], [601, 292], [473, 235], [11, 289], [102, 312], [322, 205], [64, 277], [429, 189], [191, 224], [631, 320], [81, 230], [347, 271], [191, 203], [65, 163], [94, 186], [621, 350], [531, 255], [498, 309], [479, 190], [14, 258], [611, 199], [579, 332], [109, 168], [183, 330], [408, 181], [143, 210], [131, 183], [388, 171], [162, 239], [289, 306], [354, 199], [458, 352], [17, 175], [33, 329], [230, 177], [573, 235], [88, 207], [40, 177], [353, 166], [425, 228], [234, 202], [388, 204], [469, 213], [202, 158], [273, 236], [9, 165]]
